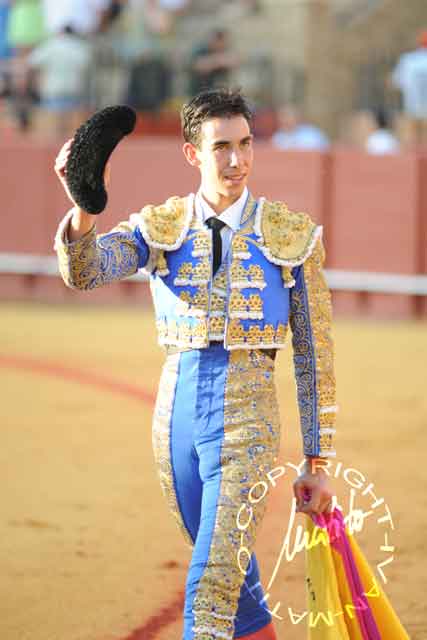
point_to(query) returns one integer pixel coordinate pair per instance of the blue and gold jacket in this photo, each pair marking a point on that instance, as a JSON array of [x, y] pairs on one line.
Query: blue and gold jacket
[[270, 279]]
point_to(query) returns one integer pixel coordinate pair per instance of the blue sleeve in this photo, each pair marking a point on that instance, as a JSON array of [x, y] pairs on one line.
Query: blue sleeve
[[313, 351], [95, 260]]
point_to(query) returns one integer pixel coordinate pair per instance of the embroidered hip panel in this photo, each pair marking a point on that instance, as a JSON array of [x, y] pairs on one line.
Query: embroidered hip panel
[[249, 451], [161, 438]]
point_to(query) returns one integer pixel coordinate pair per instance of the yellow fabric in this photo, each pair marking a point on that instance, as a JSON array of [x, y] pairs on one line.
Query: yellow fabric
[[329, 593], [387, 621], [323, 598]]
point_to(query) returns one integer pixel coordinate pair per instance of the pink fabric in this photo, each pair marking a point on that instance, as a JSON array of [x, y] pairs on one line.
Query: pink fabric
[[334, 524]]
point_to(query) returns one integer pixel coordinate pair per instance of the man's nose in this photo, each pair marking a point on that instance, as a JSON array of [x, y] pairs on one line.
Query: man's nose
[[235, 158]]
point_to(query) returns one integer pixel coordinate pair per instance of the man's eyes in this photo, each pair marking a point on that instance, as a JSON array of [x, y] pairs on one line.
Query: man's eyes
[[244, 143]]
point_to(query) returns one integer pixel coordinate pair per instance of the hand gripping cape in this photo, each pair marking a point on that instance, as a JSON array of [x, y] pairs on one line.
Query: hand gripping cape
[[345, 600]]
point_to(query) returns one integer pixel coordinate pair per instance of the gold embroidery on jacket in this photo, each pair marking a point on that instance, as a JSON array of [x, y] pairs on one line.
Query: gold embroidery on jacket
[[193, 305], [286, 235], [241, 278], [242, 307], [201, 245], [184, 334], [311, 317], [164, 226], [162, 265], [240, 247], [98, 259], [216, 327], [287, 277], [268, 337], [319, 301], [194, 275]]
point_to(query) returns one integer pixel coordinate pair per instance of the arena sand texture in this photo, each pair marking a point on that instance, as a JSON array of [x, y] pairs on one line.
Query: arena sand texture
[[89, 550]]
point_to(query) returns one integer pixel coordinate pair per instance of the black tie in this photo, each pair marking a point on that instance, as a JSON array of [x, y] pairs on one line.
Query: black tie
[[216, 226]]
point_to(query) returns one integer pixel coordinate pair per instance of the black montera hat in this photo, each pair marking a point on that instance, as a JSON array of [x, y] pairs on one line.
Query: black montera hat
[[93, 143]]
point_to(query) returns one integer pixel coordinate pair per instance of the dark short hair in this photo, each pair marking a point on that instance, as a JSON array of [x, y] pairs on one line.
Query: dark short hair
[[212, 103]]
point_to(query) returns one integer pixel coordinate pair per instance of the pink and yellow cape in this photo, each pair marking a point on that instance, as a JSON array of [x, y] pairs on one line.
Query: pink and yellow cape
[[345, 599]]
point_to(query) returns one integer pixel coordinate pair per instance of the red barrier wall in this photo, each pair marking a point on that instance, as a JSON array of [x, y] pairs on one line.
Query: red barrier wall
[[373, 210], [374, 223]]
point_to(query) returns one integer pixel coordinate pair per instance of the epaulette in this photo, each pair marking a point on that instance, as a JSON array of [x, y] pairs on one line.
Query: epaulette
[[165, 226], [286, 238]]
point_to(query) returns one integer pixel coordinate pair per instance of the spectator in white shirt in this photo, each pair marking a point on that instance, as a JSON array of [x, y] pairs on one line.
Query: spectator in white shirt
[[83, 16], [410, 77], [63, 64], [381, 141], [294, 134]]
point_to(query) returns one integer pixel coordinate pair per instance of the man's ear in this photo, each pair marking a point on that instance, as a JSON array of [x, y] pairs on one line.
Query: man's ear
[[191, 154]]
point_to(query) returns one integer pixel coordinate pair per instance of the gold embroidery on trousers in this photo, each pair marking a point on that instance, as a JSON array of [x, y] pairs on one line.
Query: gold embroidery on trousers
[[161, 438], [249, 451]]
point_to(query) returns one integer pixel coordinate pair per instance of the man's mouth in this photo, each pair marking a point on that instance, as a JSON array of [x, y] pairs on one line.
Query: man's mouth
[[236, 178]]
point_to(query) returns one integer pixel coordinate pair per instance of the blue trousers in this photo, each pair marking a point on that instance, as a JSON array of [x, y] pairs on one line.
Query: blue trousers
[[216, 434]]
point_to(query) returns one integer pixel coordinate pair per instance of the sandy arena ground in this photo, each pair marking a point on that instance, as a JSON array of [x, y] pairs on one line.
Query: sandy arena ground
[[89, 550]]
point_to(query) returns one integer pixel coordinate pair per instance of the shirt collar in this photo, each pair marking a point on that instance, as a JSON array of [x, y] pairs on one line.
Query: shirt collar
[[231, 216]]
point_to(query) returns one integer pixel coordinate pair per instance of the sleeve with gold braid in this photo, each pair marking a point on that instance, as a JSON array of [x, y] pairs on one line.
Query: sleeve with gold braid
[[140, 242], [310, 321], [98, 259], [294, 242]]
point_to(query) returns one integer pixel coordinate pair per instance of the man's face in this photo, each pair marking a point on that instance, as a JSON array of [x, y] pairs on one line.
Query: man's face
[[225, 155]]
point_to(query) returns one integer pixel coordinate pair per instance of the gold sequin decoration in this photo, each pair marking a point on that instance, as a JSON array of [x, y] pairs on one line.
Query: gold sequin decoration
[[319, 301], [326, 443], [240, 247], [239, 244], [242, 307], [216, 326], [161, 438], [193, 275], [183, 334], [218, 302], [237, 302], [311, 319], [220, 280], [98, 259], [247, 213], [326, 419], [250, 449], [193, 305], [287, 234], [185, 270], [255, 336], [201, 245], [241, 278], [288, 279], [164, 224], [162, 265], [199, 338]]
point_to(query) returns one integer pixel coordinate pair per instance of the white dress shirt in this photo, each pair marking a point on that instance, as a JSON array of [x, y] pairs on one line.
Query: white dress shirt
[[231, 216]]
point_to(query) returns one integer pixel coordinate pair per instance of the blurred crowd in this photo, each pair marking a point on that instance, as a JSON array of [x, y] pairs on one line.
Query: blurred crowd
[[379, 130], [61, 60]]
